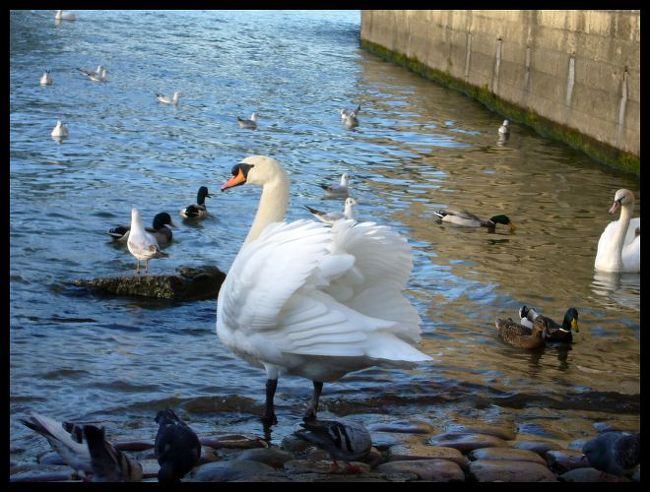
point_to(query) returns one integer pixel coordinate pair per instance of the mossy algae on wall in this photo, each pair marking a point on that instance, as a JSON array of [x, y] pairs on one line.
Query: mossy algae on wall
[[597, 150]]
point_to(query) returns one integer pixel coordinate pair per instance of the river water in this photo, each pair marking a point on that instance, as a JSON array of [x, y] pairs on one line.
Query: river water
[[419, 147]]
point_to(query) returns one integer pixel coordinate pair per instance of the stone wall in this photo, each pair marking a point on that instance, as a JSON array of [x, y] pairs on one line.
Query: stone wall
[[573, 75]]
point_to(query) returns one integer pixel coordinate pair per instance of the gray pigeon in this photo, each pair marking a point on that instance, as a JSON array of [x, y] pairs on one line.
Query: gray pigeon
[[614, 452], [347, 441], [177, 447]]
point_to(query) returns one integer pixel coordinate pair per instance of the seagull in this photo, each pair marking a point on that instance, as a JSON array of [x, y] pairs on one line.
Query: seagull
[[46, 79], [349, 116], [70, 446], [251, 124], [503, 129], [614, 452], [109, 464], [98, 75], [60, 130], [338, 190], [142, 244], [197, 210], [167, 100], [60, 15], [331, 217], [177, 447], [347, 441], [162, 224]]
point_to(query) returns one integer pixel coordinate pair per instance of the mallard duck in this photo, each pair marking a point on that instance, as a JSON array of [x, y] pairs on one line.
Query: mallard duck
[[614, 452], [251, 123], [46, 78], [108, 463], [99, 75], [169, 100], [177, 447], [521, 336], [142, 244], [338, 190], [162, 224], [315, 301], [331, 217], [619, 246], [60, 130], [346, 441], [197, 210], [554, 331], [349, 116], [466, 219]]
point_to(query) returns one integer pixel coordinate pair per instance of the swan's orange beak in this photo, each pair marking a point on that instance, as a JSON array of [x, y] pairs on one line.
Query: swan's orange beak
[[236, 180]]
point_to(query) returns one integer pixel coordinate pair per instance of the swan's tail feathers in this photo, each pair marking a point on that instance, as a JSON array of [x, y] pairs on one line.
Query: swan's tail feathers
[[393, 351]]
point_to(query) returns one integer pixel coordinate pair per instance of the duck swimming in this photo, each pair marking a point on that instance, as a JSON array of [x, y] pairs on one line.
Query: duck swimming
[[521, 336], [466, 219], [554, 331], [197, 210]]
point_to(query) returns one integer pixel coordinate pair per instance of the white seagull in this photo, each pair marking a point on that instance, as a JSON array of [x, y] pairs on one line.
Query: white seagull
[[251, 123], [60, 130], [349, 116], [338, 190], [169, 100], [315, 301], [46, 78], [61, 15], [331, 217], [503, 129], [142, 244], [99, 75]]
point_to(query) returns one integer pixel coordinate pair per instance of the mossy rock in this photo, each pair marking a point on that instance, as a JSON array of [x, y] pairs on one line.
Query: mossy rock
[[189, 283]]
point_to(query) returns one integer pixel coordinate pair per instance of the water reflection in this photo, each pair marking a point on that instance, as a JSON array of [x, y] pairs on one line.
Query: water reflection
[[620, 288]]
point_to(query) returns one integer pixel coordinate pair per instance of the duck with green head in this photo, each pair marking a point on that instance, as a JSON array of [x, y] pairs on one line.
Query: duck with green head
[[467, 219], [555, 332]]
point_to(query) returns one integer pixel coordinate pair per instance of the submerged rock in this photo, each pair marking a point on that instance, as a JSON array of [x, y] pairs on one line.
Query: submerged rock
[[190, 283], [434, 470], [510, 471]]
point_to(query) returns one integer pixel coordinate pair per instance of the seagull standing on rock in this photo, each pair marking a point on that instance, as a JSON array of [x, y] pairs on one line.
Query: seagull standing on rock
[[142, 244]]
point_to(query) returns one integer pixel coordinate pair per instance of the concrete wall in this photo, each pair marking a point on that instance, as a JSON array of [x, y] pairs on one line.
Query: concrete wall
[[572, 73]]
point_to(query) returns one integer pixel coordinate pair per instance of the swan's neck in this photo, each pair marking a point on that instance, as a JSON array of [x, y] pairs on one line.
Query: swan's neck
[[273, 205], [619, 234]]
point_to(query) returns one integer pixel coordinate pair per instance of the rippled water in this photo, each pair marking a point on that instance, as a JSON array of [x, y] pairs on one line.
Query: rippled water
[[419, 147]]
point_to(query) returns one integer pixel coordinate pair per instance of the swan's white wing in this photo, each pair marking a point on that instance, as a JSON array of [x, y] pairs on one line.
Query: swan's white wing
[[631, 256], [373, 285], [267, 271]]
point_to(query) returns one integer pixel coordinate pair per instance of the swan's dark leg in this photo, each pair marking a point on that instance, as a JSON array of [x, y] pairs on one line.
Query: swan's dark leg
[[137, 267], [269, 417], [313, 406]]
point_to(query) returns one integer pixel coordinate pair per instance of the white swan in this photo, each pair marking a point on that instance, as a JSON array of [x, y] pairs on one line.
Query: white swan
[[61, 15], [318, 302], [169, 100], [619, 246]]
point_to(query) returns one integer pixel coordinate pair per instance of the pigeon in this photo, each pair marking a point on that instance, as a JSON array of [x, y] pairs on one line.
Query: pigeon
[[109, 464], [614, 452], [346, 441], [177, 447]]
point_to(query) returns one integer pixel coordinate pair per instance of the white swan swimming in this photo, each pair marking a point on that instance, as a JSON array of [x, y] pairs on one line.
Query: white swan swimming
[[315, 301], [619, 246]]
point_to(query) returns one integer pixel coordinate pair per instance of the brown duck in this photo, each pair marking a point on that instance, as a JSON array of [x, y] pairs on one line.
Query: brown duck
[[521, 336]]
